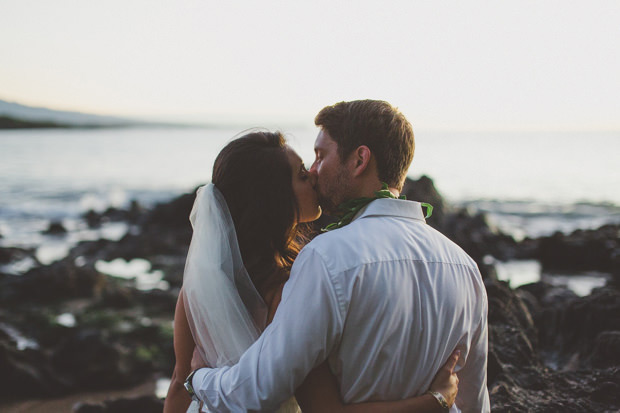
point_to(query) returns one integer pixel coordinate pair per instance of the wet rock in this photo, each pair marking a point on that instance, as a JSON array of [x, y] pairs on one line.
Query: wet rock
[[578, 335], [470, 231], [477, 237], [93, 219], [136, 213], [566, 392], [172, 266], [58, 281], [173, 214], [91, 251], [423, 190], [26, 372], [118, 296], [11, 254], [159, 300], [55, 228], [597, 249], [513, 344], [606, 350], [569, 328], [573, 329], [145, 404], [90, 360], [507, 308], [162, 234]]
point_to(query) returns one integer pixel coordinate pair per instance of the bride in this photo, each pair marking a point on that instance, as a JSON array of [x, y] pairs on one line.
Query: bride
[[248, 228]]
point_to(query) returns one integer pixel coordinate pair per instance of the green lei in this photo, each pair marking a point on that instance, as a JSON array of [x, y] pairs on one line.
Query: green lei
[[348, 209]]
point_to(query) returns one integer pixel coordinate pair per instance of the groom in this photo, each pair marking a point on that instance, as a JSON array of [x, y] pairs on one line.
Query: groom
[[385, 299]]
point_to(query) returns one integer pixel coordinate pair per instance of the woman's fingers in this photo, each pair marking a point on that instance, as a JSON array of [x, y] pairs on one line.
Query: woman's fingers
[[452, 360]]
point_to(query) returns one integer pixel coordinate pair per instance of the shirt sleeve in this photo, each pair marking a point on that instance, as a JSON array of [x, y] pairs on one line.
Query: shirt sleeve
[[307, 326], [473, 395]]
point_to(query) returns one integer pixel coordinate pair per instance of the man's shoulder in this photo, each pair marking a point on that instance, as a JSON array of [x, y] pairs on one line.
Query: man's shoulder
[[384, 238], [331, 242]]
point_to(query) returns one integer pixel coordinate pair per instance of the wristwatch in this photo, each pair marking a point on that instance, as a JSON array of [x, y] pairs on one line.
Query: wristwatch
[[189, 387]]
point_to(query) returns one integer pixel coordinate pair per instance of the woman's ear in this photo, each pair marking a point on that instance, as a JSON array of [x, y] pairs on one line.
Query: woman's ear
[[361, 158]]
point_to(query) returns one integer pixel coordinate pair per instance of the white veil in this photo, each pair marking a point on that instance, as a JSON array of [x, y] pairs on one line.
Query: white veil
[[225, 311]]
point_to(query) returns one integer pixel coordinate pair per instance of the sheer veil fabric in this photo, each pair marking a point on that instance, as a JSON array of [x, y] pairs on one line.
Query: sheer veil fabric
[[225, 312]]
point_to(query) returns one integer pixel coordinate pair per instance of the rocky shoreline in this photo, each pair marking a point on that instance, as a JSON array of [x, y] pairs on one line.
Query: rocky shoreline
[[67, 328]]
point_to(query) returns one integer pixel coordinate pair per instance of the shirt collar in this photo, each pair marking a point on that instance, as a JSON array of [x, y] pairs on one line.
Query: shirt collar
[[392, 207]]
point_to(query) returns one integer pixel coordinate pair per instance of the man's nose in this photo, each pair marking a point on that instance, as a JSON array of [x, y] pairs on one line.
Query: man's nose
[[312, 169]]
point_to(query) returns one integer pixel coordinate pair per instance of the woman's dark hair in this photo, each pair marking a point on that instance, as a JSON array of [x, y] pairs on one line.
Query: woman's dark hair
[[255, 177]]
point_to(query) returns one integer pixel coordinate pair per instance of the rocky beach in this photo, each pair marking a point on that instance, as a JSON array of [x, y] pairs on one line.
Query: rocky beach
[[70, 329]]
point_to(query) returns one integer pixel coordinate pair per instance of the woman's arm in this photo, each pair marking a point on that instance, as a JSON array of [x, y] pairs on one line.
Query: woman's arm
[[178, 399], [320, 393]]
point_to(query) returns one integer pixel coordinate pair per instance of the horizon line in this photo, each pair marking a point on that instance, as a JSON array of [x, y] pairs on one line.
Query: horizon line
[[297, 121]]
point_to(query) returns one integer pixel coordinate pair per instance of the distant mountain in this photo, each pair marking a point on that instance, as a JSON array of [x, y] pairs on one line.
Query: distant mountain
[[14, 115]]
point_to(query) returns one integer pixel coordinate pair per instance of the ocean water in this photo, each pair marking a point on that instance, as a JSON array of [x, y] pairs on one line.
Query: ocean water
[[529, 183]]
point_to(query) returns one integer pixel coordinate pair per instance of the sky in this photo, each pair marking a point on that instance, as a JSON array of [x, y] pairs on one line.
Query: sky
[[468, 64]]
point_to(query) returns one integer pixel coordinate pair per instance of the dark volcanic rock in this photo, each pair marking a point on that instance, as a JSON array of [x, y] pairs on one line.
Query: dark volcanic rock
[[60, 280], [470, 232], [136, 213], [579, 334], [161, 236], [11, 254], [90, 360], [144, 404], [597, 249], [577, 331], [575, 392], [512, 338], [55, 228], [26, 373], [173, 215], [606, 351], [477, 237], [423, 190]]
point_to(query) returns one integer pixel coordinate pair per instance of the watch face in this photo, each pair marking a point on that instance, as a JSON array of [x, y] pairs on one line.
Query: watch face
[[188, 384]]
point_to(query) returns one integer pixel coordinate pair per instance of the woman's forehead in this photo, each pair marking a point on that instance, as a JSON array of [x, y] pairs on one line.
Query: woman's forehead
[[292, 156]]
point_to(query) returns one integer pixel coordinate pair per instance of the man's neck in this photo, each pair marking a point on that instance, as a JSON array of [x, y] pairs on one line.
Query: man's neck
[[368, 191], [349, 209]]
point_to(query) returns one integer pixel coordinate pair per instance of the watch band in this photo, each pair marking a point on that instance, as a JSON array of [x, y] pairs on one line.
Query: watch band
[[440, 399], [189, 387]]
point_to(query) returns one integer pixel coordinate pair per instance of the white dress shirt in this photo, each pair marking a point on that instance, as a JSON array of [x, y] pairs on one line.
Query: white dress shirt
[[385, 299]]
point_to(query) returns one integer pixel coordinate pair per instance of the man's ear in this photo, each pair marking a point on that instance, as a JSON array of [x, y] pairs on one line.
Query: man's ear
[[360, 159]]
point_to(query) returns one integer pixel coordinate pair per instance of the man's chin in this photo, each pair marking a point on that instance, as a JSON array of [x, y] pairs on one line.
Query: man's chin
[[329, 204], [327, 207]]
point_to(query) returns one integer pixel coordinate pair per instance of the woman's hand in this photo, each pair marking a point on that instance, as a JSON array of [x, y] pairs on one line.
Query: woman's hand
[[197, 361], [446, 381]]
